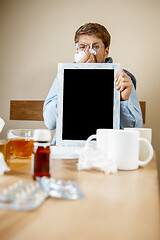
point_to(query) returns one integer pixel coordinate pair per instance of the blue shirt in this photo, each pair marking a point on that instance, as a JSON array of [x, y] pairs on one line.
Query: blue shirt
[[130, 111]]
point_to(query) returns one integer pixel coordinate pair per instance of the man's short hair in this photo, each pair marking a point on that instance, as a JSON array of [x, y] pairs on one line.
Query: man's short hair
[[94, 29]]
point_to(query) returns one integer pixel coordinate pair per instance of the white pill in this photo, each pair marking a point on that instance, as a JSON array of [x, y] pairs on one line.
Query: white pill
[[5, 191]]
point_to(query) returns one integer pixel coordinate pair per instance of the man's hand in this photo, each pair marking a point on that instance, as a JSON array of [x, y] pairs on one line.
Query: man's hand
[[88, 58], [124, 85]]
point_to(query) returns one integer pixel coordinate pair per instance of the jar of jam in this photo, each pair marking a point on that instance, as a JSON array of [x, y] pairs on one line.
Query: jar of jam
[[41, 153]]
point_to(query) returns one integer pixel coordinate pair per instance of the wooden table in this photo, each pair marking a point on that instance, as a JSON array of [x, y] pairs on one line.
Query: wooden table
[[121, 206]]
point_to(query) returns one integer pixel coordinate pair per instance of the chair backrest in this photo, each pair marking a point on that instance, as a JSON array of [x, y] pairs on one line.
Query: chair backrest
[[26, 110], [143, 109], [32, 110]]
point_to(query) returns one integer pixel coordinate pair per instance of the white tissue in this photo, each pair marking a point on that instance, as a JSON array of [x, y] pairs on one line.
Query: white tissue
[[2, 123], [93, 158], [3, 165], [92, 51], [80, 54]]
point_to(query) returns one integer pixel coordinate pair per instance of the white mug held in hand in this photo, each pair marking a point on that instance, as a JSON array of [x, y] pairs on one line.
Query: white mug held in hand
[[122, 146]]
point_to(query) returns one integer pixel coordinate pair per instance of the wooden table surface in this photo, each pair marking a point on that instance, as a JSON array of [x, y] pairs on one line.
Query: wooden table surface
[[121, 206]]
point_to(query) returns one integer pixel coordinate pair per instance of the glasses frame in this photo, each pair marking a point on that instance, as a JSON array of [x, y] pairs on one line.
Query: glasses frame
[[90, 45]]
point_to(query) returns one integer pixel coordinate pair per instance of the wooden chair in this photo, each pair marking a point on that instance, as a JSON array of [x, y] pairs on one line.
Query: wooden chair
[[143, 109], [32, 110]]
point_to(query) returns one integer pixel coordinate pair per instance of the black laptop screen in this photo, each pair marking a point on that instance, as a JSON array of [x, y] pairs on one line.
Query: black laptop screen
[[88, 96]]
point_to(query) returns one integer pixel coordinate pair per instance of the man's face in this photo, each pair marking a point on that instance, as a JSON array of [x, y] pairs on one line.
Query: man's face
[[102, 53]]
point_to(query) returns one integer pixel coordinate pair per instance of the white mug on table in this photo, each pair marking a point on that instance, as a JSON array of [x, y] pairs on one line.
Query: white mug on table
[[144, 133], [122, 146]]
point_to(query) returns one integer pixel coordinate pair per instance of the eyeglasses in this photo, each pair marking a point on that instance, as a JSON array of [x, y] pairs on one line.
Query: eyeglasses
[[94, 45]]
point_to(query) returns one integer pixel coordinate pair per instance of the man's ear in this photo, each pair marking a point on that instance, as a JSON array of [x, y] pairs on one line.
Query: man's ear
[[106, 52]]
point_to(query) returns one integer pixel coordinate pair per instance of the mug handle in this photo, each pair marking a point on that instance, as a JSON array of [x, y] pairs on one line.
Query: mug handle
[[89, 139], [150, 148]]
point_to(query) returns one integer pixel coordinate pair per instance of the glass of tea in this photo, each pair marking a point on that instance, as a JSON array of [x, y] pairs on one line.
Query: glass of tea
[[3, 144], [20, 143]]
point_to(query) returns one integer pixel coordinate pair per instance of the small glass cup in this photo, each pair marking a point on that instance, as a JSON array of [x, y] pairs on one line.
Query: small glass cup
[[3, 147], [20, 143]]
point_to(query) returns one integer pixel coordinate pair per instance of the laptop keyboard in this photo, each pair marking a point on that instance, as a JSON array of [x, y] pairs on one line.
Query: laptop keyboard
[[65, 152]]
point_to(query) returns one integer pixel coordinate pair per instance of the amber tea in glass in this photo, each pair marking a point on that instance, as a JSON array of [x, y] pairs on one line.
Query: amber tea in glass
[[20, 143], [3, 144]]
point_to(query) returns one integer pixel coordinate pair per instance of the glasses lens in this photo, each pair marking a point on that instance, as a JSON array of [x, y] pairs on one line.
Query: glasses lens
[[81, 46], [96, 47]]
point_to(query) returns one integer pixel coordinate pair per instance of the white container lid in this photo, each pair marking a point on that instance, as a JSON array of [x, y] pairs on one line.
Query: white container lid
[[42, 135]]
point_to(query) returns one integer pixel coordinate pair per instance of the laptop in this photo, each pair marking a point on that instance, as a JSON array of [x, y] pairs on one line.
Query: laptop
[[87, 100]]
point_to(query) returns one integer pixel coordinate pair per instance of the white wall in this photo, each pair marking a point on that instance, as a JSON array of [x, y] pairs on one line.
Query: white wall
[[37, 34]]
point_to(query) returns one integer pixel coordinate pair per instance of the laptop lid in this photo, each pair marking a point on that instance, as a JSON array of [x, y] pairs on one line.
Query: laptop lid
[[87, 100]]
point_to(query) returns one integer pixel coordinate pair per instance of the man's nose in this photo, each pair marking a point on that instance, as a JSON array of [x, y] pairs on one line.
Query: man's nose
[[87, 49]]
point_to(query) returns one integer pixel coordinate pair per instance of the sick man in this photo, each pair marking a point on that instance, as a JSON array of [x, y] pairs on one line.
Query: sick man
[[93, 40]]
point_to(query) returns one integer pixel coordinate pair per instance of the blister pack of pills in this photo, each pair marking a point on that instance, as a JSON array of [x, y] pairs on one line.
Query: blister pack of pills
[[22, 196], [60, 188]]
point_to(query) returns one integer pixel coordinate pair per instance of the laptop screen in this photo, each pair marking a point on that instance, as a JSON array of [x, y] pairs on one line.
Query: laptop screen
[[87, 100], [86, 93]]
